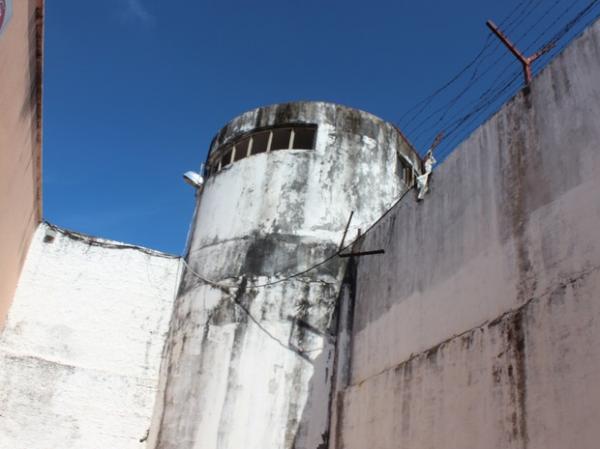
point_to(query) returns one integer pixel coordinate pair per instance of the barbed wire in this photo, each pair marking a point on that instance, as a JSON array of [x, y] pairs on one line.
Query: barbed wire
[[570, 28], [494, 44], [491, 77], [460, 123], [507, 22]]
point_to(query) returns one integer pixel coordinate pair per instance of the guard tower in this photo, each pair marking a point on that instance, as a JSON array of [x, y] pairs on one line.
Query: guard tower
[[250, 354]]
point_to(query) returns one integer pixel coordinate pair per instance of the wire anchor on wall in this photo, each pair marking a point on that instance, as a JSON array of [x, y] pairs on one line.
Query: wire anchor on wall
[[428, 163], [525, 60], [359, 253]]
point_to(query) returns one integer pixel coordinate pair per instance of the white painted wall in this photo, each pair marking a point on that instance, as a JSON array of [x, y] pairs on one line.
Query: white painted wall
[[249, 379], [80, 353], [479, 327]]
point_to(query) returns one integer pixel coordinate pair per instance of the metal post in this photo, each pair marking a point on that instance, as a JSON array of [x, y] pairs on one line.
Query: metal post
[[526, 61], [437, 140]]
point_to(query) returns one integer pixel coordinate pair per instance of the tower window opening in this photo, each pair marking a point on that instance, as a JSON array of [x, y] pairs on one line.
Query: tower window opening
[[281, 139], [405, 172], [304, 138], [300, 137], [260, 142], [241, 149], [226, 159]]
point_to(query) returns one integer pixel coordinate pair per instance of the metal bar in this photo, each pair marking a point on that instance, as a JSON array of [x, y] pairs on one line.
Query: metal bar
[[492, 26], [437, 140], [513, 49], [542, 52], [526, 61], [363, 253], [341, 247], [528, 73]]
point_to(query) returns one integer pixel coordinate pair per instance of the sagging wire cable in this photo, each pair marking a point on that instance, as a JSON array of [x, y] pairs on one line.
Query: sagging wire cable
[[527, 12], [490, 98], [444, 125], [227, 288], [470, 120], [488, 42], [554, 40], [437, 117], [530, 29], [234, 296], [472, 111], [425, 102], [445, 109], [338, 252], [486, 100], [567, 29], [568, 26]]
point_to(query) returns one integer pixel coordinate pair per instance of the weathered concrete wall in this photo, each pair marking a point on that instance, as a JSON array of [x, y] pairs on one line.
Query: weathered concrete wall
[[80, 353], [250, 365], [20, 141], [479, 326]]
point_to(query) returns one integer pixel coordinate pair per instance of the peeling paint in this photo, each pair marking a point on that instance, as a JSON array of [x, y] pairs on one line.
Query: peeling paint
[[478, 326], [264, 218]]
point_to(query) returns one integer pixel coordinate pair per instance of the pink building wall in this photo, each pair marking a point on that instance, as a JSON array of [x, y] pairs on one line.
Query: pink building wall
[[20, 141]]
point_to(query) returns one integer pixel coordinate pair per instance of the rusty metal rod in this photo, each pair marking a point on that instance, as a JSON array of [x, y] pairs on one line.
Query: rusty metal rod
[[438, 138], [341, 247], [526, 61]]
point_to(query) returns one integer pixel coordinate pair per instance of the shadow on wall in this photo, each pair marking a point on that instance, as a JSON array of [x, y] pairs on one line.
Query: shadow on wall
[[311, 339], [331, 372], [312, 428], [32, 102], [252, 367]]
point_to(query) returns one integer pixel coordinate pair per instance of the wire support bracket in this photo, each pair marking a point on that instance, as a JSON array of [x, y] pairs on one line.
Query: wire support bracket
[[363, 253], [355, 253], [526, 61], [428, 162]]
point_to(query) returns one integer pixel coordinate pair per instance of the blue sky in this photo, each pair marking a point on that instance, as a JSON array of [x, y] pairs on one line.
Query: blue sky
[[136, 89]]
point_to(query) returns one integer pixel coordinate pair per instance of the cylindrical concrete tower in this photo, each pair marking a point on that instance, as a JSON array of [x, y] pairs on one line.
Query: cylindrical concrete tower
[[250, 352]]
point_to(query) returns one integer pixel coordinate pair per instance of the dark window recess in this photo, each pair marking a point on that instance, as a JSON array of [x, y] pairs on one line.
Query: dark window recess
[[406, 172], [304, 138], [260, 142], [207, 171], [226, 160], [408, 176], [281, 139], [241, 149]]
